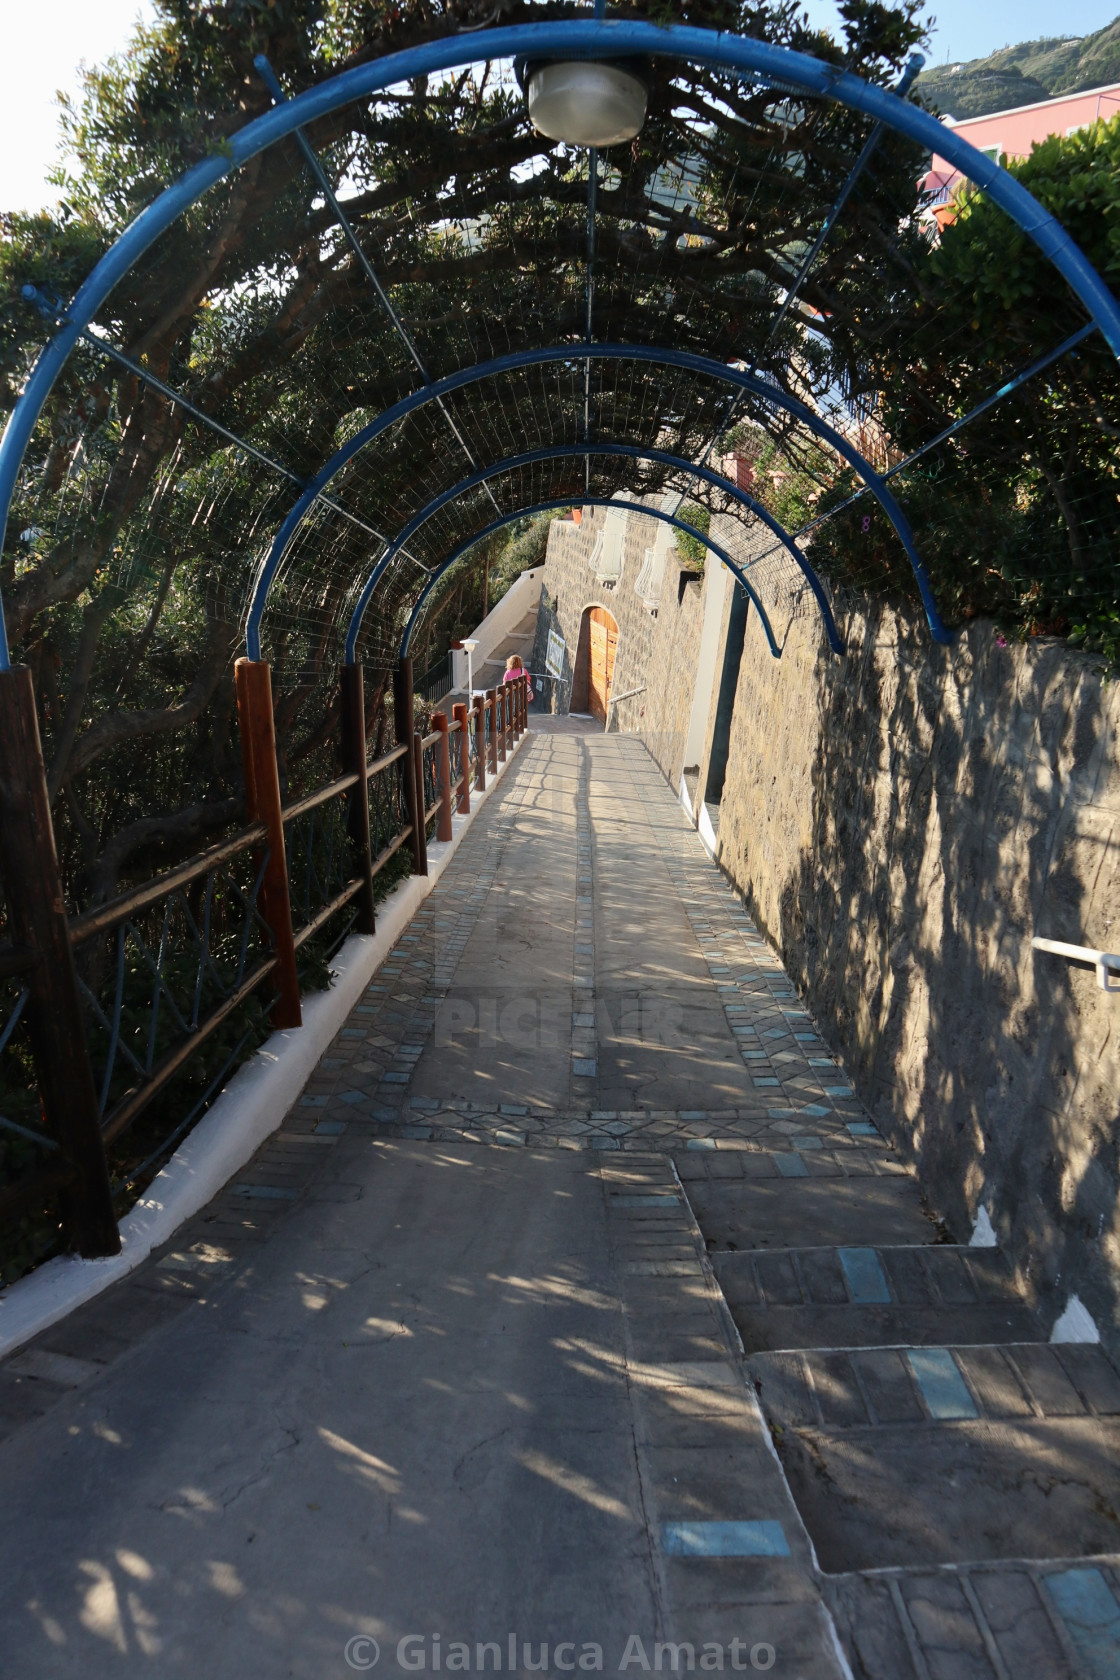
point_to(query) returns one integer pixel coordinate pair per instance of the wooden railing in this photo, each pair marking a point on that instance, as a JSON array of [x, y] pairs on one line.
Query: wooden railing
[[248, 904]]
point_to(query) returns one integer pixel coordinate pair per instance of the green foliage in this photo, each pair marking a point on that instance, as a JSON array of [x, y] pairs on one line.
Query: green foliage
[[1019, 516], [691, 550], [1029, 71]]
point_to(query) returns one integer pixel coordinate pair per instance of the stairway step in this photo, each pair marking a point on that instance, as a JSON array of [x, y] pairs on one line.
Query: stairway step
[[900, 1456], [754, 1213], [868, 1297], [1039, 1623]]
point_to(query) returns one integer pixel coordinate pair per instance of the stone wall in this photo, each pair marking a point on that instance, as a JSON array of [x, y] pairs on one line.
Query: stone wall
[[657, 644], [902, 820]]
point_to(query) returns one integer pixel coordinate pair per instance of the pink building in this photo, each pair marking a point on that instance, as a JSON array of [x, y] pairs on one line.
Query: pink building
[[1012, 133]]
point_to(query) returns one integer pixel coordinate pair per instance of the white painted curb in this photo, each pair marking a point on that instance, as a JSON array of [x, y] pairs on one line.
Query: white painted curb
[[246, 1111]]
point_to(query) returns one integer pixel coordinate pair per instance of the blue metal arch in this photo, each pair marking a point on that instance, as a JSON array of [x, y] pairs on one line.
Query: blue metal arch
[[630, 451], [686, 359], [590, 38], [585, 501]]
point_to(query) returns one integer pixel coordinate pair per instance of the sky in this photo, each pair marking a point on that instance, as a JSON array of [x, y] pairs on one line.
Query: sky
[[44, 43]]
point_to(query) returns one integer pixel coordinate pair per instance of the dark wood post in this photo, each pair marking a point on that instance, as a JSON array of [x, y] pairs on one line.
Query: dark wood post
[[352, 683], [54, 1012], [480, 743], [404, 728], [503, 701], [422, 831], [492, 703], [463, 718], [257, 726], [439, 721]]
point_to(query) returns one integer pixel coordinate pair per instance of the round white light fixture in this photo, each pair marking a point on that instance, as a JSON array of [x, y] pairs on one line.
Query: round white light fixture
[[586, 103]]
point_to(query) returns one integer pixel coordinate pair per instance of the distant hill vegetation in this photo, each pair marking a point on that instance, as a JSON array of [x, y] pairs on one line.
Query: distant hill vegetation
[[1021, 75]]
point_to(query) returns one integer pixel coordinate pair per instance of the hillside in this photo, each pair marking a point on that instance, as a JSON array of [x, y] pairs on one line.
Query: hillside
[[1025, 73]]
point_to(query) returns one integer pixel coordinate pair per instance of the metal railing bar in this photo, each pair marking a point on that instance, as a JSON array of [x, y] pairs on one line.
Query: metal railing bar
[[105, 916], [328, 910], [134, 1101], [386, 853], [319, 797], [24, 1131], [381, 764]]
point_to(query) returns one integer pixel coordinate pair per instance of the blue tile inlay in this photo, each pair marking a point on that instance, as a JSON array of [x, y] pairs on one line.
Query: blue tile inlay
[[701, 1143], [1092, 1616], [264, 1192], [331, 1128], [583, 1067], [313, 1102], [943, 1387], [817, 1109], [352, 1097], [790, 1166], [723, 1539], [867, 1283], [862, 1128]]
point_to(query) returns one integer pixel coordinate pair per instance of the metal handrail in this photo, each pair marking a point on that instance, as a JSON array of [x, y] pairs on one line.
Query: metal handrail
[[1106, 963]]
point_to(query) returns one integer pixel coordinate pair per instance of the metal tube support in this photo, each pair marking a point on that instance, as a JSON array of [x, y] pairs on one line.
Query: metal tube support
[[439, 721], [480, 743], [38, 922], [1106, 963], [257, 726], [352, 683], [462, 717], [492, 708], [404, 725]]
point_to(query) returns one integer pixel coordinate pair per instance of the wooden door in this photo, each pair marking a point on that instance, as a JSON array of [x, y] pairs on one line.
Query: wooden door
[[603, 634]]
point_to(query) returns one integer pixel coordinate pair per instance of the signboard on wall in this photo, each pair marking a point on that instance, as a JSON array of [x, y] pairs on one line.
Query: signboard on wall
[[554, 659]]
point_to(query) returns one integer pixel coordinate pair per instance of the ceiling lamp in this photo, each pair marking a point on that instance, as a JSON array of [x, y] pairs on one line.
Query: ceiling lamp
[[586, 103]]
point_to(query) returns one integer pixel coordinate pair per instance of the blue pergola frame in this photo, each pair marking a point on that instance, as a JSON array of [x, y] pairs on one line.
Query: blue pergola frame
[[565, 502], [658, 355], [567, 451], [570, 38]]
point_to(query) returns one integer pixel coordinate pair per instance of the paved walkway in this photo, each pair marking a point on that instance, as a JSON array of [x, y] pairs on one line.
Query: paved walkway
[[451, 1376]]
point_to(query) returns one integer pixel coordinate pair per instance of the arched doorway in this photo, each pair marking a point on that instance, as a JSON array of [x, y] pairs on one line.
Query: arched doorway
[[594, 670]]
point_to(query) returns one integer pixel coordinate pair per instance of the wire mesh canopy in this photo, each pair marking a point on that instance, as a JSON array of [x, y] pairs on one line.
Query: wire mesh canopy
[[386, 317]]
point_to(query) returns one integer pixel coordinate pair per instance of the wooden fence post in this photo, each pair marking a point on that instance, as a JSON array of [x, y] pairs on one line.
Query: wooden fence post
[[352, 683], [257, 727], [480, 743], [492, 704], [54, 1013], [418, 768], [502, 693], [439, 721], [404, 728], [462, 718]]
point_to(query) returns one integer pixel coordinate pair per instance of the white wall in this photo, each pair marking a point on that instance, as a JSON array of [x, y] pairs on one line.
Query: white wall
[[520, 598]]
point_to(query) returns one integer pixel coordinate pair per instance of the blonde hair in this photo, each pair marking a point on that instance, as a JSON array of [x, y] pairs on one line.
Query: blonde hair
[[513, 663]]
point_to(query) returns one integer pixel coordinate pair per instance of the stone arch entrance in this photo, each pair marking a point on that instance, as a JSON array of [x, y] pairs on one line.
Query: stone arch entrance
[[594, 668]]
